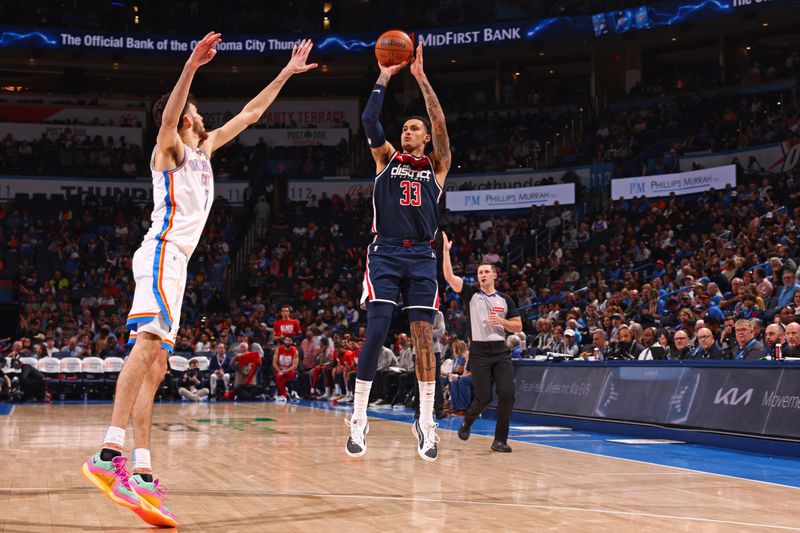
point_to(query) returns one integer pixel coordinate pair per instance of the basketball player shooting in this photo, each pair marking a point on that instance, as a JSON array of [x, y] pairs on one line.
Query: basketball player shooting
[[401, 259], [183, 191]]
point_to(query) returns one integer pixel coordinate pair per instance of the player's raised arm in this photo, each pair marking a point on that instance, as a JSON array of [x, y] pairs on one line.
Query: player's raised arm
[[441, 141], [370, 118], [169, 152], [456, 282], [251, 113]]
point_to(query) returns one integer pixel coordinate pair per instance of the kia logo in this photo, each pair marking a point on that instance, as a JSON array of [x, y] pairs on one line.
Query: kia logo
[[732, 396]]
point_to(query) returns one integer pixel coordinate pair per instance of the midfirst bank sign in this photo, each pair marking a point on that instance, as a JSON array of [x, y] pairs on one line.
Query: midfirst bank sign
[[473, 36]]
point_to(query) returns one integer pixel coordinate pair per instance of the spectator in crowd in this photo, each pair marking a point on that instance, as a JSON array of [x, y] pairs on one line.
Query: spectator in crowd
[[308, 349], [599, 342], [542, 342], [758, 328], [626, 347], [682, 346], [384, 386], [324, 365], [763, 285], [571, 347], [191, 386], [407, 378], [111, 349], [788, 289], [559, 344], [203, 345], [72, 348], [50, 345], [791, 348], [660, 347], [787, 314], [460, 379], [747, 348], [219, 368], [707, 346], [773, 337]]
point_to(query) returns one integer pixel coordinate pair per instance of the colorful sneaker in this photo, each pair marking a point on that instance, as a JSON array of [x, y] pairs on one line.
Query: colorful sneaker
[[111, 478], [152, 495]]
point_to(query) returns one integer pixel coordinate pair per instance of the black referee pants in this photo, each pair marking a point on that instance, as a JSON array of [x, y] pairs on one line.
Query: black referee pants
[[486, 367]]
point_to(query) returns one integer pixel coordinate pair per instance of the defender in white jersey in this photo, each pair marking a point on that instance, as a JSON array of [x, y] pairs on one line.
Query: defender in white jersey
[[183, 190], [182, 199]]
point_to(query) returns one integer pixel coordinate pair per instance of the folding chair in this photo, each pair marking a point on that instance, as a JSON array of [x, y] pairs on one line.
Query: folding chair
[[71, 378], [112, 366], [32, 361], [93, 376], [50, 367]]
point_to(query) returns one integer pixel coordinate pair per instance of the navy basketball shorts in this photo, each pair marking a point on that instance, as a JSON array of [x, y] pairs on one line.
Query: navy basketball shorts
[[401, 271]]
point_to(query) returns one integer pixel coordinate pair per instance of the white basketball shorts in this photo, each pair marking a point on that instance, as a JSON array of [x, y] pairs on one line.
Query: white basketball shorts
[[159, 270]]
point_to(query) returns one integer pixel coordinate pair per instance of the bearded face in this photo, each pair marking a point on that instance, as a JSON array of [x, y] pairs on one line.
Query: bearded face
[[200, 130]]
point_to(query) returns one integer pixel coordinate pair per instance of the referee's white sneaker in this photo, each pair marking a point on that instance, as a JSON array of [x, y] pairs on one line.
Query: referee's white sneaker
[[427, 440], [356, 444]]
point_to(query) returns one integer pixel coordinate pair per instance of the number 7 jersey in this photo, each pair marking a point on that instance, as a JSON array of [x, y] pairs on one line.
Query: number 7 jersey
[[182, 199], [405, 199]]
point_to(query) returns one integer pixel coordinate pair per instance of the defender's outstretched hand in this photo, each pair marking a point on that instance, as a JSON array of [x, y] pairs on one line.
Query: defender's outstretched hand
[[416, 64], [297, 64], [205, 51], [446, 244]]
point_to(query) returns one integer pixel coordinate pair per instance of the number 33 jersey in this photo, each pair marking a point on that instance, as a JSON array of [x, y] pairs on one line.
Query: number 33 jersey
[[182, 199], [405, 199]]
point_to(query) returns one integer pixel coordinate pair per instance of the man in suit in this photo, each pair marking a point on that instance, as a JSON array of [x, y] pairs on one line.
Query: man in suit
[[791, 348], [707, 346], [773, 337], [220, 369], [747, 347]]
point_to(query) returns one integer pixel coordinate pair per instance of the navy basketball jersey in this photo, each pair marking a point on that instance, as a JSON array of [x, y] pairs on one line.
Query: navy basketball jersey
[[405, 199]]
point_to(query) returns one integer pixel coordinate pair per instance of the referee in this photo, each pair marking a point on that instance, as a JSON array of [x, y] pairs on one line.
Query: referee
[[489, 315]]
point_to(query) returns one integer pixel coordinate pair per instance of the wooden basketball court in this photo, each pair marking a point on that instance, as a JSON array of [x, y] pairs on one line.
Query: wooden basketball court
[[268, 467]]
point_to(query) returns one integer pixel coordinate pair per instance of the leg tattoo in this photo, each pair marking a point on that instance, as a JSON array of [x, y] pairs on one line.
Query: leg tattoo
[[422, 334]]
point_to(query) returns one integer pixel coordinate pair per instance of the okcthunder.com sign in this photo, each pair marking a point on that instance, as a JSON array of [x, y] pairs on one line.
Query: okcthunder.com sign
[[522, 198], [679, 184]]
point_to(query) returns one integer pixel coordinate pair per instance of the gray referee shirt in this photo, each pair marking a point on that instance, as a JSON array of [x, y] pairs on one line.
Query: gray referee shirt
[[478, 305]]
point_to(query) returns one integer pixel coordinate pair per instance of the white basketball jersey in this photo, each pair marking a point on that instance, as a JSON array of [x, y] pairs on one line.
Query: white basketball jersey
[[182, 200]]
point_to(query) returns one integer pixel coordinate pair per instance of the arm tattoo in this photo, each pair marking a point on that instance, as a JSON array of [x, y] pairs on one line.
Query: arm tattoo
[[441, 140], [422, 334], [383, 79]]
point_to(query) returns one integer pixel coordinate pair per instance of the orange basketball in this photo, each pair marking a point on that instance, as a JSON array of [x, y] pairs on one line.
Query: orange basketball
[[393, 47]]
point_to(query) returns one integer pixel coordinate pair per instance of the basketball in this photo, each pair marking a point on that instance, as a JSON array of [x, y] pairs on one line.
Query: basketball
[[393, 47]]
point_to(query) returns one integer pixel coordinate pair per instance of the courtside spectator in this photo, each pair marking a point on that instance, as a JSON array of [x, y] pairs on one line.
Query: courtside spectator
[[191, 387], [219, 368], [747, 348]]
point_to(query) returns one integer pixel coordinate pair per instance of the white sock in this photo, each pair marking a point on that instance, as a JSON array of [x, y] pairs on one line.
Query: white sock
[[114, 439], [427, 389], [141, 461], [361, 399]]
